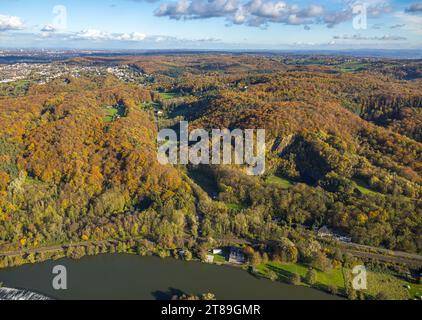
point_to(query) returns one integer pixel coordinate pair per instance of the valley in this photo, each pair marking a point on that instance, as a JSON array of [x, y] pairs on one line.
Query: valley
[[79, 173]]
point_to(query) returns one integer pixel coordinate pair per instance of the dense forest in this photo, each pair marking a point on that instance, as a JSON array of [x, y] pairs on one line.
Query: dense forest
[[78, 154]]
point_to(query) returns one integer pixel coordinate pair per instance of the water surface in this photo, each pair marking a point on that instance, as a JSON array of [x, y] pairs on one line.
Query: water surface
[[124, 276]]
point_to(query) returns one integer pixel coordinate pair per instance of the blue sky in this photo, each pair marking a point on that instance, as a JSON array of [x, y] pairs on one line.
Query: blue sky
[[210, 24]]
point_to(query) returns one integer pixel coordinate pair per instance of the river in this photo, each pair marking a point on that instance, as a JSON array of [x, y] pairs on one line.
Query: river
[[124, 276]]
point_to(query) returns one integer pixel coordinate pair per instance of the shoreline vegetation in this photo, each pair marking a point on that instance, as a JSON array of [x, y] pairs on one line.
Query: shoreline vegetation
[[335, 280]]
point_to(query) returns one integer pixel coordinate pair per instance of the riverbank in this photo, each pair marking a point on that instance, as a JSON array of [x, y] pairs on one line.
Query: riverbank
[[331, 282]]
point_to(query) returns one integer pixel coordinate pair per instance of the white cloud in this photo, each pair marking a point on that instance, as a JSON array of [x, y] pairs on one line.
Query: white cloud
[[411, 22], [10, 23], [91, 34], [97, 35], [197, 9], [134, 36], [261, 12]]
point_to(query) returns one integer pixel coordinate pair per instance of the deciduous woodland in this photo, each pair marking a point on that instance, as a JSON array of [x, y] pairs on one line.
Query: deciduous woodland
[[78, 155]]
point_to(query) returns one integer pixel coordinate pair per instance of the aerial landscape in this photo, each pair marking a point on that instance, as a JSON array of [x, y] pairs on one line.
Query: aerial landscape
[[326, 206]]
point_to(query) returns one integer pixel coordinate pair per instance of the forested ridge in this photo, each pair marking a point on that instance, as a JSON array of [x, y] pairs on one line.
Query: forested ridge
[[78, 155], [68, 175]]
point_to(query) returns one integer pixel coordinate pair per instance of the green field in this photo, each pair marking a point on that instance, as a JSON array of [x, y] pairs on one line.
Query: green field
[[415, 291], [280, 181], [364, 188], [285, 270], [391, 287], [352, 66], [167, 95], [110, 114], [388, 285], [149, 104], [218, 258]]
